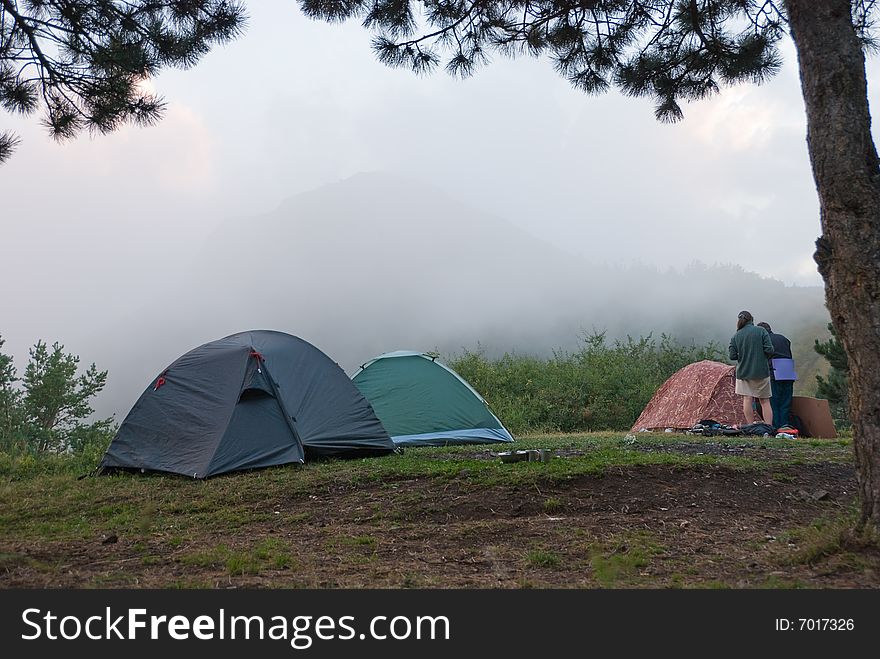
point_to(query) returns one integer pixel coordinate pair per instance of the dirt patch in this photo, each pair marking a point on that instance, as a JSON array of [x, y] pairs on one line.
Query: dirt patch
[[647, 526]]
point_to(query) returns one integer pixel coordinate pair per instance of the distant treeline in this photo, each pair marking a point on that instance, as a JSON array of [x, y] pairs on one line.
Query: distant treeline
[[600, 386]]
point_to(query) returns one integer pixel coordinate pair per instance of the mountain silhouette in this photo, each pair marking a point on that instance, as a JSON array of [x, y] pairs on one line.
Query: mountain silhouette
[[376, 263]]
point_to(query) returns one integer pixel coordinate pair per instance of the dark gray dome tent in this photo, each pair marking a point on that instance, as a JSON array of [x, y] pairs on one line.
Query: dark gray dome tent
[[252, 399]]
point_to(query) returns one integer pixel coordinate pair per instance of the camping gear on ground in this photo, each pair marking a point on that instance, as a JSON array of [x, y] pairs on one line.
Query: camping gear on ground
[[514, 456], [758, 429], [249, 400], [423, 402], [711, 428], [702, 390], [530, 455]]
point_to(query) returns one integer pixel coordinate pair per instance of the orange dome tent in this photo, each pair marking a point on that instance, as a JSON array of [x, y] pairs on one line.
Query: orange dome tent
[[702, 390]]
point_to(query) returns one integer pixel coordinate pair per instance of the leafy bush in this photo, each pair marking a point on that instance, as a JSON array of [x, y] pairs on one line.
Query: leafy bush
[[598, 387], [44, 412]]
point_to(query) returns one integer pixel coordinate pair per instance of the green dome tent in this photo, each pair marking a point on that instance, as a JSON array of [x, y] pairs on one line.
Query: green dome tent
[[423, 402]]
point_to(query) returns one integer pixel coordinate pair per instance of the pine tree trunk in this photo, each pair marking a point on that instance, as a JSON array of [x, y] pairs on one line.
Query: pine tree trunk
[[847, 175]]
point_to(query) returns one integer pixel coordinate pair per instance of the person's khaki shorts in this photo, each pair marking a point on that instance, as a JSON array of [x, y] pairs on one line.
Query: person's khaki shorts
[[756, 388]]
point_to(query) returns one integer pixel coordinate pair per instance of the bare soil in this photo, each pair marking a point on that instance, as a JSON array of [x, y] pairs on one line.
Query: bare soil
[[631, 527]]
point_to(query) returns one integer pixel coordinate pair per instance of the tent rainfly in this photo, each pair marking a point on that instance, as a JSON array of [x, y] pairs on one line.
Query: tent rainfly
[[422, 402], [702, 390], [252, 399]]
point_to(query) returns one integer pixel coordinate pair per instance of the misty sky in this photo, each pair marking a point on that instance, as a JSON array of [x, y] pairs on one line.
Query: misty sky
[[90, 227]]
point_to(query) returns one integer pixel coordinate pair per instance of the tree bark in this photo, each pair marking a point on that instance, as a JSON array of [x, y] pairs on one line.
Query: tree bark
[[847, 176]]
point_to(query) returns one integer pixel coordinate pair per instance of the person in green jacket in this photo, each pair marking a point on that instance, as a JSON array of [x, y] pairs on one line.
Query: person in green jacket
[[751, 349]]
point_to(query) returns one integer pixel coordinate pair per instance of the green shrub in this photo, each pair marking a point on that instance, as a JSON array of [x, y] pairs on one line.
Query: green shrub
[[81, 457], [598, 387]]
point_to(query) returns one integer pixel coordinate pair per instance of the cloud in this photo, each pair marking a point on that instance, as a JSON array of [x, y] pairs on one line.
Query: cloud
[[96, 229]]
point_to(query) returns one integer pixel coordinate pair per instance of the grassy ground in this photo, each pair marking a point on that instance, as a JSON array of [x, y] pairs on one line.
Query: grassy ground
[[654, 510]]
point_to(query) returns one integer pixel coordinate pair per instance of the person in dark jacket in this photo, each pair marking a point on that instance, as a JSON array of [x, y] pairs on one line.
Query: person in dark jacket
[[751, 349], [782, 376]]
